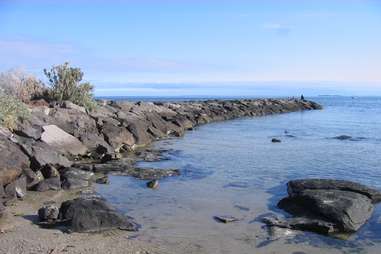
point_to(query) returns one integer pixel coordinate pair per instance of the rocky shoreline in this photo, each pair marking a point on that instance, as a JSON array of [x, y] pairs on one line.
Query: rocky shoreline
[[63, 146]]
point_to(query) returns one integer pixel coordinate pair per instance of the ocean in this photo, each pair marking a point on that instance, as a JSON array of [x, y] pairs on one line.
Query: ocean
[[233, 168]]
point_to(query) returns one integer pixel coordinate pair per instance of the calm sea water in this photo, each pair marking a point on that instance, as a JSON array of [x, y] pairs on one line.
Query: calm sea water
[[232, 168]]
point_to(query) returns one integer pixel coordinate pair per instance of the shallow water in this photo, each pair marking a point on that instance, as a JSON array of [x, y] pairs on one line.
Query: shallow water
[[232, 168]]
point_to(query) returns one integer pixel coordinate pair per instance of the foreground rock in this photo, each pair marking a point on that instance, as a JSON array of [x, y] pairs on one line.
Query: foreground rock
[[297, 186], [93, 214], [327, 206], [12, 161]]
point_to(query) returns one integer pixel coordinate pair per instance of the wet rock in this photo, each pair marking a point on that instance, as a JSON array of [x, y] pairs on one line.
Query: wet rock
[[276, 140], [225, 218], [102, 179], [154, 184], [300, 223], [343, 137], [62, 141], [53, 183], [150, 173], [295, 187], [93, 214], [151, 155], [48, 213], [347, 211], [242, 185]]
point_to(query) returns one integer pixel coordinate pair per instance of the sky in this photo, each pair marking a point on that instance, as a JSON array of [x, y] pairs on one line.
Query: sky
[[200, 47]]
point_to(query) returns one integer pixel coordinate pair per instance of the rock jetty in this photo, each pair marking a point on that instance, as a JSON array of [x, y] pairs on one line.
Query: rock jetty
[[62, 145]]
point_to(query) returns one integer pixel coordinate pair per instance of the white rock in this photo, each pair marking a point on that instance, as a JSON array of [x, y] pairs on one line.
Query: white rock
[[62, 140]]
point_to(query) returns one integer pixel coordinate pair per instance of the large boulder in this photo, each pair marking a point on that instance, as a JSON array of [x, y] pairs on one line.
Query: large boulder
[[93, 214], [62, 141], [12, 161], [346, 210], [43, 154], [328, 205], [296, 186], [117, 136]]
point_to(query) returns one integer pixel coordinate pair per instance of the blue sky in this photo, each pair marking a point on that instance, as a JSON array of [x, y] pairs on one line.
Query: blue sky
[[194, 47]]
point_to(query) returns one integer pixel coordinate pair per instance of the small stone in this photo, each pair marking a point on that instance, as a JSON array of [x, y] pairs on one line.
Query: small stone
[[275, 140], [48, 213], [154, 184], [225, 219], [102, 180], [343, 137]]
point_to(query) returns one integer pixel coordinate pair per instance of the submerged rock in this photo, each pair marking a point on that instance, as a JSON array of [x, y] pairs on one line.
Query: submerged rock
[[151, 173], [343, 137], [225, 218], [300, 223], [93, 214], [154, 184]]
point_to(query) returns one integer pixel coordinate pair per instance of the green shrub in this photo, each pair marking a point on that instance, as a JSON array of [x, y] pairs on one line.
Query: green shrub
[[21, 85], [65, 84], [11, 109]]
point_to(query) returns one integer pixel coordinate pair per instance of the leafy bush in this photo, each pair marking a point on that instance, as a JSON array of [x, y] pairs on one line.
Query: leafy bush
[[21, 85], [11, 109], [65, 85]]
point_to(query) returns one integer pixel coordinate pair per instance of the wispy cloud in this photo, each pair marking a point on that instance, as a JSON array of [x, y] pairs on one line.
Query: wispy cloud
[[32, 54], [279, 28]]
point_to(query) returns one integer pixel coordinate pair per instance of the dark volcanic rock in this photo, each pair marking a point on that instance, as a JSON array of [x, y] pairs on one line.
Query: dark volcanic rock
[[225, 218], [93, 215], [343, 137], [76, 178], [348, 211], [300, 223], [330, 206], [48, 213], [151, 173], [296, 186], [154, 184]]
